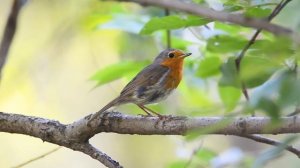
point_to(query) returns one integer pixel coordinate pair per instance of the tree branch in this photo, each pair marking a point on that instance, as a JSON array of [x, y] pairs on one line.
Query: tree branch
[[269, 141], [96, 154], [79, 131], [76, 135], [218, 15], [53, 132], [239, 58], [9, 31]]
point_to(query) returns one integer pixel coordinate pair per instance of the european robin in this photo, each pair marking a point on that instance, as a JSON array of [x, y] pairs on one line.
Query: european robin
[[154, 83]]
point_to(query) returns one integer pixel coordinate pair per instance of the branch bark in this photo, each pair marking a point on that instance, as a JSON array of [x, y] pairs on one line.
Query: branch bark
[[78, 132], [53, 132], [177, 125], [93, 152], [76, 135], [218, 15]]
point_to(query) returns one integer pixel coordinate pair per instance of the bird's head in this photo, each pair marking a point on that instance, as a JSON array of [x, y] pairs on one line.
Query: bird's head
[[171, 56]]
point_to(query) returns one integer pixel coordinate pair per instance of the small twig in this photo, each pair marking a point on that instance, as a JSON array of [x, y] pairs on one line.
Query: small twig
[[239, 58], [168, 32], [96, 154], [205, 12], [297, 111], [37, 158], [296, 67], [193, 154], [275, 12], [269, 141], [9, 31]]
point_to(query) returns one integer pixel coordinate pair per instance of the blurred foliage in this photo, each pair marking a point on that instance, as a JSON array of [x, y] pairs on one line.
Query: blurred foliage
[[230, 75], [273, 153], [199, 158], [230, 96], [116, 71], [212, 83], [225, 44], [208, 67], [125, 37], [172, 22], [267, 69]]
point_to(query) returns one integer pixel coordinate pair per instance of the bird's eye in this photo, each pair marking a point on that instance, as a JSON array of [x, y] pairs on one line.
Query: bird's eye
[[171, 55]]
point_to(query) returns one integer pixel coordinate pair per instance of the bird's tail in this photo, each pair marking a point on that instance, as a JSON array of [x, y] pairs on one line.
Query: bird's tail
[[114, 102]]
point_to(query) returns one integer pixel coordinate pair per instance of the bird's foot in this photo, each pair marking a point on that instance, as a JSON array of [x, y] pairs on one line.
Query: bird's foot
[[164, 117]]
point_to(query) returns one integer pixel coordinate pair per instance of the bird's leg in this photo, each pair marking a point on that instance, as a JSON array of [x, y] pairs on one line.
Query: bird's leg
[[144, 109], [149, 110]]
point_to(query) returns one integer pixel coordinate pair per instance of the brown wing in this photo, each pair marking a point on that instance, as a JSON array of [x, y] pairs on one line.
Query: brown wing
[[147, 77]]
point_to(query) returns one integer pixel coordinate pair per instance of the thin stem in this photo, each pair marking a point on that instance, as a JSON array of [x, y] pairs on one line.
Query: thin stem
[[96, 154], [273, 142], [168, 32], [9, 31], [193, 154], [239, 58], [37, 158]]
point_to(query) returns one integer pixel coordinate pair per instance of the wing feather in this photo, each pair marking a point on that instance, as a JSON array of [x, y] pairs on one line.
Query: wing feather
[[149, 76]]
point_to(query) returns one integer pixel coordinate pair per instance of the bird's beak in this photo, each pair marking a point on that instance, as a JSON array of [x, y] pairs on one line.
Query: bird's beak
[[186, 55]]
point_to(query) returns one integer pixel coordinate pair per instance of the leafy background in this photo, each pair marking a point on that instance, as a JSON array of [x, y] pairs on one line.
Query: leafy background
[[70, 58]]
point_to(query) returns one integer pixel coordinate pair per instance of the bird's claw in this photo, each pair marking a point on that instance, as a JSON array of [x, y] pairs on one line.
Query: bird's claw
[[164, 117]]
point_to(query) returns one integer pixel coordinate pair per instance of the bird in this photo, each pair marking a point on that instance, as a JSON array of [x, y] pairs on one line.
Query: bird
[[154, 83]]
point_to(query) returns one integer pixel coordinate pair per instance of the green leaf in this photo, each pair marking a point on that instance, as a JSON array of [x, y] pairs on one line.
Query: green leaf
[[236, 2], [229, 74], [194, 96], [177, 42], [230, 96], [234, 5], [199, 1], [178, 164], [225, 43], [278, 95], [289, 90], [209, 66], [231, 29], [167, 22], [171, 22], [274, 152], [205, 155], [257, 12], [193, 20], [257, 70], [270, 107], [116, 71], [278, 48]]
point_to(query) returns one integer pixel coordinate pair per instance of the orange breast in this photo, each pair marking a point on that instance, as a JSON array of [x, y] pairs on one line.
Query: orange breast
[[175, 75]]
